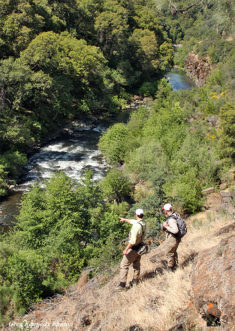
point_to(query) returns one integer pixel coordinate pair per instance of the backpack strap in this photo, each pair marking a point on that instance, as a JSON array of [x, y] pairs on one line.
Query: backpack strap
[[176, 217], [173, 215], [136, 247], [143, 232]]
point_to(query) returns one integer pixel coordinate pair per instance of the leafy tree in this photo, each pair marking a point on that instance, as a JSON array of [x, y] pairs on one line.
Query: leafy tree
[[112, 26], [146, 49], [21, 21], [82, 67], [26, 270], [87, 11], [148, 162], [13, 162], [113, 143], [115, 186], [185, 191], [3, 184], [227, 131]]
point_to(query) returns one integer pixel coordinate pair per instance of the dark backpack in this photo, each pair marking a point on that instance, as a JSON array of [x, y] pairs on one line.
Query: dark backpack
[[181, 225]]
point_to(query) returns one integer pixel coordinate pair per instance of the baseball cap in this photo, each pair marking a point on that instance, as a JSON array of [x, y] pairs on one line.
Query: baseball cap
[[139, 212], [167, 207]]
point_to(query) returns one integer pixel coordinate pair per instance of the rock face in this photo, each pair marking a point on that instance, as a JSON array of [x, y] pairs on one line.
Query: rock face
[[213, 282], [198, 68], [208, 191], [228, 202]]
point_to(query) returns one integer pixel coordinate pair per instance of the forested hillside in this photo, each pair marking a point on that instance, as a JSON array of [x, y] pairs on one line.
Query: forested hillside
[[73, 59], [184, 141], [66, 59]]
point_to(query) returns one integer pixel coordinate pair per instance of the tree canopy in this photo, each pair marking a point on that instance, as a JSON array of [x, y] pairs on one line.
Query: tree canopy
[[67, 59]]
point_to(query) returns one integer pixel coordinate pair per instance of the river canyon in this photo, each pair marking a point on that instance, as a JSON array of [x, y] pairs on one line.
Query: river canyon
[[73, 151]]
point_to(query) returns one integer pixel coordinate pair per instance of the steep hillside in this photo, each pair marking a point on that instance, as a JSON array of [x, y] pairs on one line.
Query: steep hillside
[[75, 59], [171, 301]]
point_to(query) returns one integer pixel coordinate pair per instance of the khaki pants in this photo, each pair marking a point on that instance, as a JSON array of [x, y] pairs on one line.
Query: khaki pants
[[131, 258], [168, 251]]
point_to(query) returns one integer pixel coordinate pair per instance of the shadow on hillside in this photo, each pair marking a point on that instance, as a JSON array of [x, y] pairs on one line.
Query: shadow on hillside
[[147, 275], [188, 259]]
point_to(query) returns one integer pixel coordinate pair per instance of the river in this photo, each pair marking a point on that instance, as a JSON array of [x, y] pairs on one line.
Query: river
[[179, 80], [73, 152]]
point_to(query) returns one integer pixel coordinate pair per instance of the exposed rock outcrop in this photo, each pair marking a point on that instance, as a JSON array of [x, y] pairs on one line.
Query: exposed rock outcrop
[[228, 202], [213, 279], [198, 68]]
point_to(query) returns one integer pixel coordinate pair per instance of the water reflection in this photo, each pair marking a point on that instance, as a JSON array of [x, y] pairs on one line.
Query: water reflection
[[179, 80], [9, 208]]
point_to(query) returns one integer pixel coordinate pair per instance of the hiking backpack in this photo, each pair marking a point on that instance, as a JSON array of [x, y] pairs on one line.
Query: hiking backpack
[[181, 225]]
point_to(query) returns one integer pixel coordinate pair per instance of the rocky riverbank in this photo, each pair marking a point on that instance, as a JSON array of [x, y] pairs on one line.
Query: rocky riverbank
[[198, 68]]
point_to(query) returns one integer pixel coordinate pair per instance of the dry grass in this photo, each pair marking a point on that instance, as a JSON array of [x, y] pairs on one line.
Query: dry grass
[[155, 304]]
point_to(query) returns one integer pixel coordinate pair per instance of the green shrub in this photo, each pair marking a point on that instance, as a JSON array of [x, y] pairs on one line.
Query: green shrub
[[14, 162], [105, 256], [227, 131], [148, 162], [25, 272], [7, 306], [113, 143], [115, 186], [197, 152], [148, 89], [3, 178], [185, 191]]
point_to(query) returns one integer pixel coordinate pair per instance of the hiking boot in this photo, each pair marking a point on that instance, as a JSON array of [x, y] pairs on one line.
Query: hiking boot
[[158, 271], [164, 264], [132, 283], [121, 287], [172, 269]]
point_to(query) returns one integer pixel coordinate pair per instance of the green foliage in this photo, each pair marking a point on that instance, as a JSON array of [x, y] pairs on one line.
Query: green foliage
[[22, 266], [113, 143], [25, 269], [146, 45], [227, 131], [112, 27], [59, 230], [66, 59], [105, 257], [168, 126], [220, 50], [185, 190], [176, 145], [203, 25], [3, 184], [6, 313], [115, 186], [148, 162], [147, 89], [13, 162]]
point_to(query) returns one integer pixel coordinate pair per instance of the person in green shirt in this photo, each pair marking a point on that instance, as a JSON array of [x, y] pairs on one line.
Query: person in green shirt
[[130, 253]]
